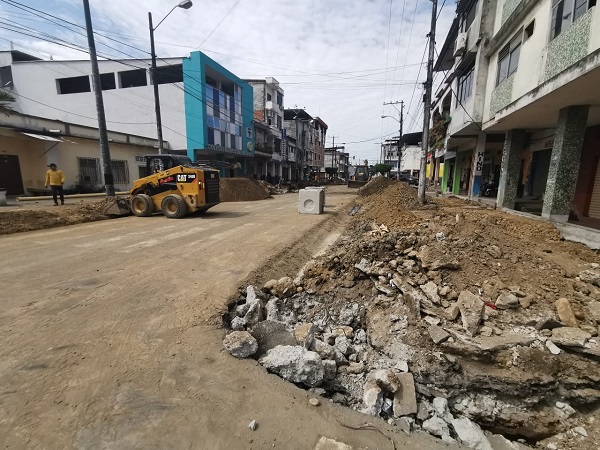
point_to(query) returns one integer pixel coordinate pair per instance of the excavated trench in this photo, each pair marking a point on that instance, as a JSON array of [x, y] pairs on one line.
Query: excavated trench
[[367, 309], [518, 400]]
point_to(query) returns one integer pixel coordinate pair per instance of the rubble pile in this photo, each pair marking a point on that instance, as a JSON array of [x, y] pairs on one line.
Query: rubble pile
[[469, 325]]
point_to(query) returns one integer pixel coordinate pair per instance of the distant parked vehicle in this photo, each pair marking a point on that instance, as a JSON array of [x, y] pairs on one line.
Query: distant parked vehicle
[[413, 181]]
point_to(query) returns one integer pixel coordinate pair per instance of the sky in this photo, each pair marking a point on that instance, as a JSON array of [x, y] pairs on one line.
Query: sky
[[339, 59]]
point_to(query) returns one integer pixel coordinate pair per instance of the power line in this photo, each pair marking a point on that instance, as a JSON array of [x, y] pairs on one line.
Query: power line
[[218, 24]]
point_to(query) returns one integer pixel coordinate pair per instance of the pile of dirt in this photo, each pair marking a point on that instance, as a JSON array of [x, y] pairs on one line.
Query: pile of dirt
[[458, 317], [393, 203], [31, 220], [273, 190], [374, 186], [242, 190]]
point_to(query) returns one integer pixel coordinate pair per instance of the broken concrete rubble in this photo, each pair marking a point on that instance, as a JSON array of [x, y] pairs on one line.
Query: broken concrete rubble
[[565, 312], [494, 369], [570, 337], [295, 364], [471, 434], [240, 344], [405, 399], [507, 301], [438, 334], [471, 310], [305, 334]]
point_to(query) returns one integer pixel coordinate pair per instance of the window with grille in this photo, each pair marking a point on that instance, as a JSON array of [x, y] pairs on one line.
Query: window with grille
[[508, 58], [120, 171], [565, 12], [89, 170], [465, 84]]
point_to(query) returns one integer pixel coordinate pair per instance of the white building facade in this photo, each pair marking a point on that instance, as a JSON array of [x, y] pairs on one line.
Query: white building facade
[[62, 90]]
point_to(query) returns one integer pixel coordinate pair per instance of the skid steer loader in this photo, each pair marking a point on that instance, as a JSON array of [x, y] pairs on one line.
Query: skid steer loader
[[174, 186]]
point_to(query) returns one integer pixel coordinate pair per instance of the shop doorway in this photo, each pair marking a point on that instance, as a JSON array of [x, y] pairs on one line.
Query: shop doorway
[[10, 175]]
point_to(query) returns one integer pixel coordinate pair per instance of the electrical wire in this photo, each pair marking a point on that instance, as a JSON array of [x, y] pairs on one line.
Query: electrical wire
[[218, 24]]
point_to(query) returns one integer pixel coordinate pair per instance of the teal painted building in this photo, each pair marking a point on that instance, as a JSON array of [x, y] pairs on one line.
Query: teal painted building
[[218, 113]]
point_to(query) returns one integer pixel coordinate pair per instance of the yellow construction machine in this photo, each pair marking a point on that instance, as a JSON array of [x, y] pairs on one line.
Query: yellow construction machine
[[174, 186]]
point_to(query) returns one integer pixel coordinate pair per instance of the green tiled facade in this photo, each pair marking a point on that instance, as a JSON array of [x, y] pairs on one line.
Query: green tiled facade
[[508, 8], [568, 47], [502, 95], [564, 163]]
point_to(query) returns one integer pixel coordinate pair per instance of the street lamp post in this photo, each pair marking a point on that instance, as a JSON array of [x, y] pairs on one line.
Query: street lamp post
[[185, 4], [400, 121]]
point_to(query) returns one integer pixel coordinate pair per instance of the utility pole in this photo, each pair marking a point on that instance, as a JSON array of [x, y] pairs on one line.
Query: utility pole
[[401, 122], [334, 154], [153, 77], [104, 150], [427, 107]]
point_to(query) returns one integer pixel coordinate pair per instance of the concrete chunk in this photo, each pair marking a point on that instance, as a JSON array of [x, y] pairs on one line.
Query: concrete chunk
[[438, 334], [471, 310], [331, 444], [570, 337], [240, 344], [565, 312], [305, 334], [405, 398], [295, 364], [471, 434]]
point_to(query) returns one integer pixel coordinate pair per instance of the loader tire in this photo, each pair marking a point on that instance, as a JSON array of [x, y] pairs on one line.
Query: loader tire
[[173, 206], [142, 205]]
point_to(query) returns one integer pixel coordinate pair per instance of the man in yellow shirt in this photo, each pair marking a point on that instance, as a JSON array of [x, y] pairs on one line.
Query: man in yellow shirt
[[55, 178]]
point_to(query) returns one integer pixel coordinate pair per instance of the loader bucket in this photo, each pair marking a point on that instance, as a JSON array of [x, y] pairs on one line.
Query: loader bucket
[[117, 207], [356, 184]]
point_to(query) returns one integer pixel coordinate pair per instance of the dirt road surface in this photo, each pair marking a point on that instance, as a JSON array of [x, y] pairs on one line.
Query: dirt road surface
[[111, 335]]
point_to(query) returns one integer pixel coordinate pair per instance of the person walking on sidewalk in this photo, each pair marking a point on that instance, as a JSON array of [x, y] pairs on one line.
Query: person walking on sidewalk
[[55, 178]]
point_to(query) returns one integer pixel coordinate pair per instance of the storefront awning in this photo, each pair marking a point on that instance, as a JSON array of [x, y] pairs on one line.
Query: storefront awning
[[42, 137]]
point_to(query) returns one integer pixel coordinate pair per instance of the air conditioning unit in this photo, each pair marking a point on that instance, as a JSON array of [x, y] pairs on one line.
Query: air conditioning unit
[[461, 44]]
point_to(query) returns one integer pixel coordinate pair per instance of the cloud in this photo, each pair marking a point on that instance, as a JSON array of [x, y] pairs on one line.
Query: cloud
[[331, 57]]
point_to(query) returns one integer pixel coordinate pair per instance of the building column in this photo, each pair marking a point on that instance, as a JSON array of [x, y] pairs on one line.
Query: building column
[[510, 168], [564, 163], [457, 174], [478, 156]]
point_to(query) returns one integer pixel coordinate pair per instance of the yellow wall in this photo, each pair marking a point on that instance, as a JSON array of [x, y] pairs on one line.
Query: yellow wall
[[31, 158], [34, 157]]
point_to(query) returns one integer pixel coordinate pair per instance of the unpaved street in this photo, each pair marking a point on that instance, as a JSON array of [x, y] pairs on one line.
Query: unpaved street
[[111, 334]]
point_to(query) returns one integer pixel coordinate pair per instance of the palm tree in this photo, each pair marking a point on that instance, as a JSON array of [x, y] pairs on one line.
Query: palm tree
[[5, 100]]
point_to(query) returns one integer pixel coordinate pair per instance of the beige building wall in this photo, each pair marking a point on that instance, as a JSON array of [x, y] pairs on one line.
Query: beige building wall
[[35, 155]]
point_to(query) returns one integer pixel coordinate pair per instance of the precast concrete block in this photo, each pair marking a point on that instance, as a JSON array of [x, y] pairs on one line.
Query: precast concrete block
[[311, 201]]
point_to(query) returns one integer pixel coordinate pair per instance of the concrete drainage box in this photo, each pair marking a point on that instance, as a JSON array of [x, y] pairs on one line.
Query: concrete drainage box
[[311, 201]]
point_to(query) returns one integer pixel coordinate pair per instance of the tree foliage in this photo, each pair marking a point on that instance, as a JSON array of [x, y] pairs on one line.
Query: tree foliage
[[381, 168]]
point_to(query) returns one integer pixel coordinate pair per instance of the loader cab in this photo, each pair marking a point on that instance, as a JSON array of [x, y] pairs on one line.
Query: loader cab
[[158, 163]]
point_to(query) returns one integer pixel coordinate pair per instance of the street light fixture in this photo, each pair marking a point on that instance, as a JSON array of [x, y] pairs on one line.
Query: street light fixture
[[185, 4], [400, 135]]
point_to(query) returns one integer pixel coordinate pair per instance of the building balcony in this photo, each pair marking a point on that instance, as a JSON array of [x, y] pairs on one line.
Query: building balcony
[[274, 106]]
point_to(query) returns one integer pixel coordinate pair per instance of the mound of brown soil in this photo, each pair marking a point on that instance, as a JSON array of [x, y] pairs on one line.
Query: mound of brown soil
[[30, 220], [374, 186], [391, 203], [242, 190]]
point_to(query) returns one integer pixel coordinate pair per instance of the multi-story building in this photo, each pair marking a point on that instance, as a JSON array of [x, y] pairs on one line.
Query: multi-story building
[[219, 113], [533, 97], [62, 90], [389, 149], [299, 125], [543, 92], [206, 110], [458, 145], [410, 155], [319, 148], [268, 115]]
